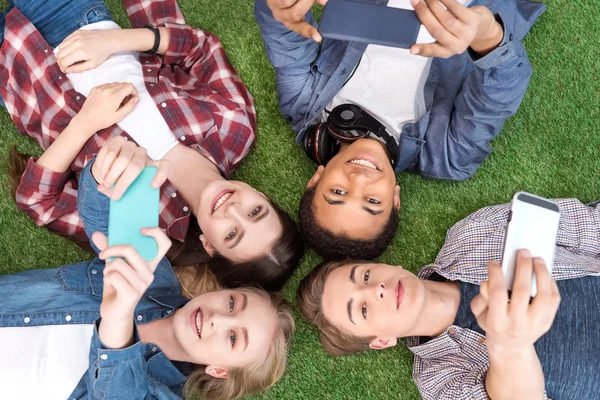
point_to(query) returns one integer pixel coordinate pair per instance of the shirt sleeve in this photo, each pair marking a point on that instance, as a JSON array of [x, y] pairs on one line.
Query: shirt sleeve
[[491, 93], [217, 86], [116, 373], [50, 199]]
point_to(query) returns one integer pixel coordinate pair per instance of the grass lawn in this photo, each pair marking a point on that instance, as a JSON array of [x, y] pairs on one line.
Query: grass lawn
[[548, 148]]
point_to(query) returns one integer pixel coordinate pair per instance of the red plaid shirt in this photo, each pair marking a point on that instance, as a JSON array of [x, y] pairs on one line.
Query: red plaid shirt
[[194, 86]]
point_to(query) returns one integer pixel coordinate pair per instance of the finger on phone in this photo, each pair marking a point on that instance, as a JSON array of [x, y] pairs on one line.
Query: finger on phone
[[129, 254], [430, 50], [162, 174], [100, 240], [543, 280], [116, 280], [127, 177], [445, 17], [521, 290], [460, 11], [139, 280], [107, 155], [498, 300], [119, 165], [162, 240]]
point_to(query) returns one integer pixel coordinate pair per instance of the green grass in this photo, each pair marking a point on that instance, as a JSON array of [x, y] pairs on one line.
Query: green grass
[[551, 147]]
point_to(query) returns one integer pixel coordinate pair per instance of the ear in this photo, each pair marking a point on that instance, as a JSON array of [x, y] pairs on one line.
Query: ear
[[379, 344], [207, 246], [216, 372], [316, 177], [397, 198]]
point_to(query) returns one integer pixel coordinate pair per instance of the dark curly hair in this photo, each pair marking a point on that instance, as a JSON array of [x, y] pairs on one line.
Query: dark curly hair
[[332, 247]]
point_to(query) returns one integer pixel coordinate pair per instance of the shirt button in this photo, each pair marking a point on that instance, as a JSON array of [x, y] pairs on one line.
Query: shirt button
[[152, 84], [185, 209], [68, 318], [149, 70], [169, 311], [78, 97], [104, 357], [164, 105], [147, 62], [59, 77], [481, 340], [452, 331], [182, 138], [154, 349], [139, 318], [27, 320], [94, 272], [45, 50], [173, 194]]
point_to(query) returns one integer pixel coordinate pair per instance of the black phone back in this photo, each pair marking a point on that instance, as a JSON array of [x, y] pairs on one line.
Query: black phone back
[[368, 23]]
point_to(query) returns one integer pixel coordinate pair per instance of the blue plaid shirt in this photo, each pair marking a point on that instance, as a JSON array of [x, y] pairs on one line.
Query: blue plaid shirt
[[454, 365]]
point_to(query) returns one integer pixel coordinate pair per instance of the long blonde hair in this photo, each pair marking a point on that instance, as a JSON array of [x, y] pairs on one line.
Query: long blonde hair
[[252, 378]]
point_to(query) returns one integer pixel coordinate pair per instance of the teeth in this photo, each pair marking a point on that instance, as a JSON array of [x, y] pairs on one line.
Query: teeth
[[198, 323], [221, 200], [364, 163]]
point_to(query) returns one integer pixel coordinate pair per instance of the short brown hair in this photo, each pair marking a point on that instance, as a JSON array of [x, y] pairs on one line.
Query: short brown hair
[[309, 298]]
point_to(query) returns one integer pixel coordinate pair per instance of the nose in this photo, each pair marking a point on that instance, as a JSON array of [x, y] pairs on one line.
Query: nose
[[217, 321], [380, 291]]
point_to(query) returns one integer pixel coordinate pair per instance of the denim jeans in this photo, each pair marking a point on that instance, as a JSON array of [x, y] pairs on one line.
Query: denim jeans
[[57, 19]]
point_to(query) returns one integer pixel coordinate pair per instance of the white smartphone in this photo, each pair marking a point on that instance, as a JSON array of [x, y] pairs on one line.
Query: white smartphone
[[533, 225]]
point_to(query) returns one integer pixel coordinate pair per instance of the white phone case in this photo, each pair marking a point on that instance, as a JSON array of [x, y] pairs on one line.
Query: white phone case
[[533, 225]]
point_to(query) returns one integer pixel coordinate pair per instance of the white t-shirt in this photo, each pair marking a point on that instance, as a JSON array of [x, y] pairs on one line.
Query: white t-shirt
[[43, 362], [145, 123], [389, 82]]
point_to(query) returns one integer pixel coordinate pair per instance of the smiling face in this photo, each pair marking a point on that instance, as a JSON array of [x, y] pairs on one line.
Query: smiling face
[[237, 221], [373, 300], [228, 328], [356, 192]]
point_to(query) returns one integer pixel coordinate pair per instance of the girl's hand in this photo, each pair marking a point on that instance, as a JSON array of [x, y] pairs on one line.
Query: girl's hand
[[127, 276], [108, 104], [119, 162], [456, 28], [514, 326], [85, 50]]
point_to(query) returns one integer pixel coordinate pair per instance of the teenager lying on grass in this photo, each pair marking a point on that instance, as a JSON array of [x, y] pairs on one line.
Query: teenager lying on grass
[[468, 338], [123, 328], [442, 103], [184, 105]]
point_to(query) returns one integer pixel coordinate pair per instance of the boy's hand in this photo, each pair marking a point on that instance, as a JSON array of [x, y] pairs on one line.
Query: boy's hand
[[455, 28], [85, 50], [119, 163], [291, 14], [107, 104], [516, 325]]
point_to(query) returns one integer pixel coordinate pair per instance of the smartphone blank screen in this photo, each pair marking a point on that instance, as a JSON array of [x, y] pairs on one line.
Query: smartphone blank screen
[[533, 225]]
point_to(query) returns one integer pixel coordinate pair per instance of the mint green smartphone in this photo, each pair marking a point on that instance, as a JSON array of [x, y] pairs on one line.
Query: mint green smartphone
[[137, 208]]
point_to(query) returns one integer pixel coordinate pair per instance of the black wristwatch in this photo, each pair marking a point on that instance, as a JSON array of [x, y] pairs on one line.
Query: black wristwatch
[[156, 32]]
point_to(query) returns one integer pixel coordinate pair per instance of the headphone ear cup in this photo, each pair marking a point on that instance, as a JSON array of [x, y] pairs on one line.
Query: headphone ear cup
[[319, 146]]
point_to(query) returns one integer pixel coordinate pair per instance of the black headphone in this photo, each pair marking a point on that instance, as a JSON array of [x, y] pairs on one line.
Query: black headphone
[[346, 123]]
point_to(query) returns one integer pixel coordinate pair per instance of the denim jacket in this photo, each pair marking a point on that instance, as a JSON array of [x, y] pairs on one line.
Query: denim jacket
[[467, 98], [72, 294]]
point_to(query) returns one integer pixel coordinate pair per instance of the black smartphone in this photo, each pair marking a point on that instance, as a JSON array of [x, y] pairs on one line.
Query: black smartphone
[[369, 23]]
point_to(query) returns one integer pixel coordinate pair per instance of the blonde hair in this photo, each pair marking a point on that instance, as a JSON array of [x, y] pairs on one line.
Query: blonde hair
[[257, 376], [309, 298]]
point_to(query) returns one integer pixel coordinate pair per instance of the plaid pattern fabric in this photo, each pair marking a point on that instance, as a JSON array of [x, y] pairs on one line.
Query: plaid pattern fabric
[[454, 365], [194, 86]]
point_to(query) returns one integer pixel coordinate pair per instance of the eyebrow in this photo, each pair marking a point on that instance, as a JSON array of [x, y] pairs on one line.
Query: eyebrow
[[352, 271], [338, 202], [245, 333], [244, 301], [349, 309]]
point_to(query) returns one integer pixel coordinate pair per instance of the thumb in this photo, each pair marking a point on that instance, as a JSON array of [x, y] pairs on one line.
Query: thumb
[[163, 242], [127, 107], [100, 240]]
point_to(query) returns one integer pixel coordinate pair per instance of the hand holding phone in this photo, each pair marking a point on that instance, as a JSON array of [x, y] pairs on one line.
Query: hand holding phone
[[532, 225]]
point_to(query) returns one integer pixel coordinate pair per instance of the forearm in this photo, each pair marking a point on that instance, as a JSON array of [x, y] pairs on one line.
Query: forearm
[[141, 39], [515, 375], [61, 153], [116, 334]]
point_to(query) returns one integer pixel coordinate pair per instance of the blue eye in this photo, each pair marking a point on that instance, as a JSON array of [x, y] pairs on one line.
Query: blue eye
[[232, 338]]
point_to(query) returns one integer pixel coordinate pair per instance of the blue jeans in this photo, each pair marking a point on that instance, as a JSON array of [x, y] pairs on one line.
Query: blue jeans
[[57, 19]]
